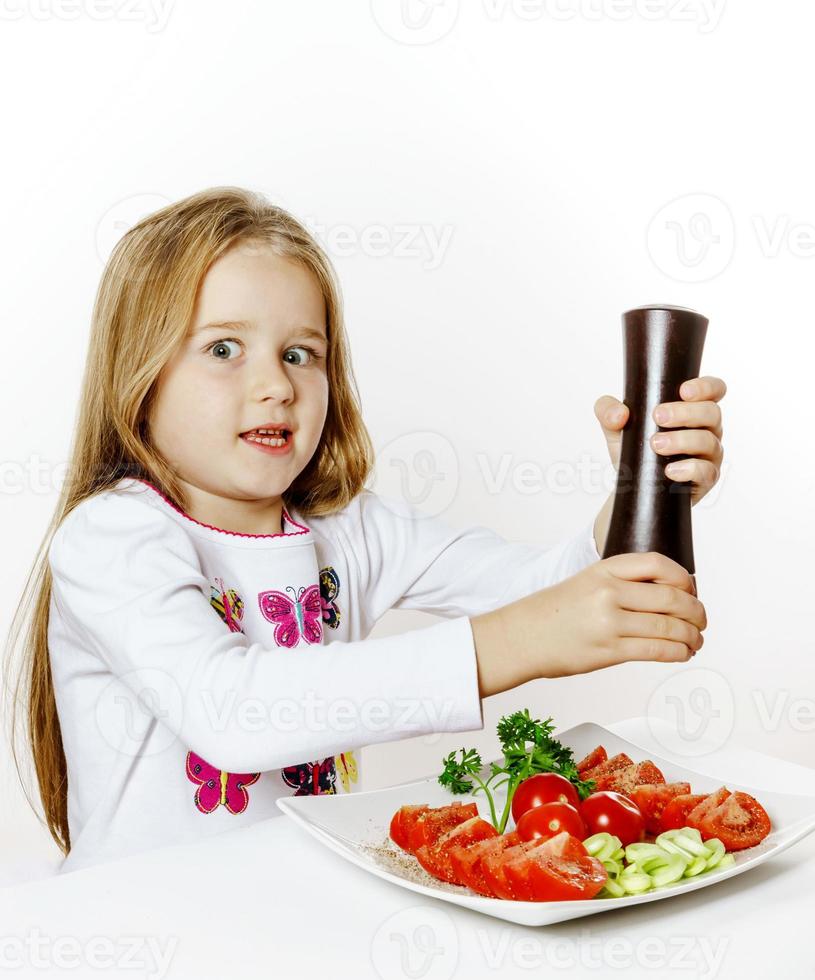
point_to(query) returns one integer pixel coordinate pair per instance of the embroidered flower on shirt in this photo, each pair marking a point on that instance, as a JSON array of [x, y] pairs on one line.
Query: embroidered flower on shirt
[[228, 604], [311, 778], [329, 590], [293, 618], [216, 787]]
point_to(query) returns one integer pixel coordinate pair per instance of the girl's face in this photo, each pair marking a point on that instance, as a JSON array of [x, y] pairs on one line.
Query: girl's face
[[255, 354]]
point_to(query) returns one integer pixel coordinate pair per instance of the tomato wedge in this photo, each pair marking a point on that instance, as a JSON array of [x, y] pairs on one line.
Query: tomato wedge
[[675, 814], [652, 798], [429, 826], [492, 868], [706, 806], [559, 869], [619, 761], [466, 861], [626, 779], [594, 759], [435, 858], [403, 820], [739, 821]]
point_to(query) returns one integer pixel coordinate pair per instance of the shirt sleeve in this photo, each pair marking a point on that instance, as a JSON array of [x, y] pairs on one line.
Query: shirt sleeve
[[411, 560], [128, 581]]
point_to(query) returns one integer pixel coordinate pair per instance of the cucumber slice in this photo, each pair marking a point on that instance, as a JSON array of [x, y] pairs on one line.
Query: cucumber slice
[[634, 882], [670, 872], [697, 866], [717, 852], [611, 889]]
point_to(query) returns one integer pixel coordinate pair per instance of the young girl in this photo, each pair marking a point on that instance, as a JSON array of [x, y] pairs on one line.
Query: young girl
[[198, 641]]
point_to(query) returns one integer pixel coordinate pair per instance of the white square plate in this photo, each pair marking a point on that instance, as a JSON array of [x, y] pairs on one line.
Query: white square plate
[[356, 826]]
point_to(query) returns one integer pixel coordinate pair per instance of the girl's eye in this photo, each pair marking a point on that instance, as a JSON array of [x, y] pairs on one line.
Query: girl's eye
[[311, 353], [221, 344]]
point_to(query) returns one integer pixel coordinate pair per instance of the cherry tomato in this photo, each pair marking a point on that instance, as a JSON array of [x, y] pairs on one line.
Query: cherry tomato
[[614, 814], [543, 787], [550, 819]]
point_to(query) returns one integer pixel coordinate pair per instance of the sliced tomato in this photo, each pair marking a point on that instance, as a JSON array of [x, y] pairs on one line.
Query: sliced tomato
[[675, 814], [466, 861], [435, 857], [429, 826], [705, 806], [492, 868], [558, 869], [619, 761], [613, 813], [595, 758], [543, 787], [626, 779], [550, 819], [652, 798], [739, 821], [403, 820]]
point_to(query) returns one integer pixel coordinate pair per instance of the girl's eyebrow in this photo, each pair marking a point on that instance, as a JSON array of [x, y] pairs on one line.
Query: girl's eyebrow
[[249, 325]]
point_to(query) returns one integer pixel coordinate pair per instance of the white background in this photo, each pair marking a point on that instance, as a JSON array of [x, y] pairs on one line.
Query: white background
[[495, 182]]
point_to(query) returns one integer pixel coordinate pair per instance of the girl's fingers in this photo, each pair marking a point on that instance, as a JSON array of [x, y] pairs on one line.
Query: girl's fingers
[[656, 627], [690, 415], [649, 566], [666, 651], [701, 472], [701, 443], [647, 597]]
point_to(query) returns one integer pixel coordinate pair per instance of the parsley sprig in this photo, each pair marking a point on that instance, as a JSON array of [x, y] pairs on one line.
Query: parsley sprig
[[528, 748]]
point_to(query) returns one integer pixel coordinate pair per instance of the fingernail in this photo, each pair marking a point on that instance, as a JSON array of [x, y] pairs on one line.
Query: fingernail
[[663, 415], [659, 442], [691, 391], [678, 469]]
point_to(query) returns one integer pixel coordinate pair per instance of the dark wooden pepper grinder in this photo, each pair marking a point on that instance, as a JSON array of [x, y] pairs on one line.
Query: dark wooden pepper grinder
[[663, 347]]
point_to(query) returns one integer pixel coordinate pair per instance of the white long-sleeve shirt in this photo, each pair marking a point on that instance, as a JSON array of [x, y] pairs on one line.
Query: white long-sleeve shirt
[[200, 674]]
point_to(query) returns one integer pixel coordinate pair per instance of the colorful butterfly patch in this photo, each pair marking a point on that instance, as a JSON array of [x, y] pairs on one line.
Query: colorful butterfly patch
[[228, 604], [311, 778], [293, 618], [216, 787], [329, 590], [347, 768]]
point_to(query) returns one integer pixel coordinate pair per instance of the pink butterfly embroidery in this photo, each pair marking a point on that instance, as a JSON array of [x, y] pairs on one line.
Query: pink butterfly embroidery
[[216, 786], [293, 618]]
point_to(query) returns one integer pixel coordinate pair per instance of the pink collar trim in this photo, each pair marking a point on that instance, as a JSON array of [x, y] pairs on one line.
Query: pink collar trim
[[238, 534]]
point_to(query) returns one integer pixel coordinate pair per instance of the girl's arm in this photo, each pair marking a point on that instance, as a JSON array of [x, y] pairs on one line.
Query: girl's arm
[[127, 582], [409, 560]]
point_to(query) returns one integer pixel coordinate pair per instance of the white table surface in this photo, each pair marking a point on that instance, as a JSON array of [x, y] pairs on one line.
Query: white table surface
[[269, 901]]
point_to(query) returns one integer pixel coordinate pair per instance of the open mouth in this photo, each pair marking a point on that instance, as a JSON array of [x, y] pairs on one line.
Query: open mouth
[[265, 437]]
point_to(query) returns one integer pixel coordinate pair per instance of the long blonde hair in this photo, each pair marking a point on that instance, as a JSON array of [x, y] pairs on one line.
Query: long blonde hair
[[142, 312]]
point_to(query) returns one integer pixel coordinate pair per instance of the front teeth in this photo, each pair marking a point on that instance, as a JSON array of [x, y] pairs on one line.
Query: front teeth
[[267, 442]]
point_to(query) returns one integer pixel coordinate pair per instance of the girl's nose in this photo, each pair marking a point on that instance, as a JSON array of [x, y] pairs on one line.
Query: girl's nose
[[272, 379]]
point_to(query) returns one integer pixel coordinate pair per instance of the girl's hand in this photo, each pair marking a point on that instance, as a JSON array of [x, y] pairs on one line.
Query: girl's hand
[[627, 607], [700, 437]]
